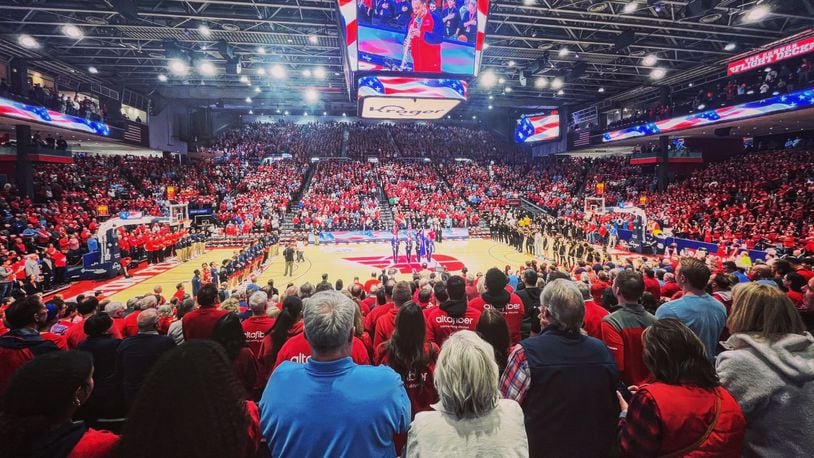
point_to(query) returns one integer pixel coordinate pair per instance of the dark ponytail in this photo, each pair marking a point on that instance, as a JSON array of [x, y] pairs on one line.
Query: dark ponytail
[[292, 311]]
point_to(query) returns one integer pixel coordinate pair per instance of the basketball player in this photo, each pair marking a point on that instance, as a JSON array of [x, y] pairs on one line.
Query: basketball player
[[425, 31]]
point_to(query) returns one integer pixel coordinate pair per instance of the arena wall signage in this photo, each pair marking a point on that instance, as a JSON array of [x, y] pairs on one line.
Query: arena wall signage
[[38, 114], [408, 98], [786, 102], [762, 59], [406, 108]]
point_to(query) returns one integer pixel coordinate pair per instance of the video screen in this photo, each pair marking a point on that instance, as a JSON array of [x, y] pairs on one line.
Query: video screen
[[538, 127], [406, 86], [417, 36]]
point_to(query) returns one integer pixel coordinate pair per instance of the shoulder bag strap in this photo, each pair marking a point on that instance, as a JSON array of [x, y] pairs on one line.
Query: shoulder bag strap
[[703, 438]]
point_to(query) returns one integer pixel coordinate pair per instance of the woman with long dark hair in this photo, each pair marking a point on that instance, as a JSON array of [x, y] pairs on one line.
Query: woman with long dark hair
[[229, 333], [192, 404], [685, 410], [413, 358], [38, 404], [493, 329], [288, 324]]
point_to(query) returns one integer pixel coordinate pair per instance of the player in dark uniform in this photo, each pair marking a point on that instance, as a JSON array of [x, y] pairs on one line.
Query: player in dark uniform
[[408, 245], [394, 245]]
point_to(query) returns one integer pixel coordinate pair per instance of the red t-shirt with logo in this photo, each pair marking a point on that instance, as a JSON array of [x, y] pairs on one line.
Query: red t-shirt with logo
[[297, 350], [255, 329], [440, 325], [512, 312]]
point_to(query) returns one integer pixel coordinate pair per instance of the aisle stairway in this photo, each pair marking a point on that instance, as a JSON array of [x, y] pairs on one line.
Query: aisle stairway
[[286, 226], [393, 142], [345, 138], [385, 210]]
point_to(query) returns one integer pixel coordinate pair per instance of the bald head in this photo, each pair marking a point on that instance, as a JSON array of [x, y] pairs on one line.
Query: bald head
[[148, 320]]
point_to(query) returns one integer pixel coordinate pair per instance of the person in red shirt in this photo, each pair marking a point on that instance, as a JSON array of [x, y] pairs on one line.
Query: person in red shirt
[[200, 323], [75, 335], [179, 293], [599, 286], [409, 354], [386, 323], [297, 350], [424, 35], [259, 324], [594, 313], [379, 310], [130, 322], [651, 284], [670, 287], [452, 315], [373, 280], [497, 297], [46, 392]]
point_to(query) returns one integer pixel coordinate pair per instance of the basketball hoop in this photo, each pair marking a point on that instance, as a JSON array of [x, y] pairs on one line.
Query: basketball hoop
[[595, 206]]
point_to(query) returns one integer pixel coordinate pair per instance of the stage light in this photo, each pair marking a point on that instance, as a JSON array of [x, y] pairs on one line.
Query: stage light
[[72, 31], [324, 113], [630, 8], [508, 89], [601, 90], [251, 111], [501, 80], [305, 114], [93, 70], [286, 112], [178, 67], [27, 41], [757, 13], [658, 73], [557, 83], [306, 73], [702, 106], [488, 79], [278, 71], [474, 117], [207, 68], [511, 63], [491, 97], [257, 89], [248, 100], [528, 2], [490, 107], [313, 39], [650, 60], [344, 115], [261, 50], [540, 82], [560, 92], [730, 47], [162, 78], [204, 30], [244, 79], [261, 71], [563, 52], [319, 73], [311, 95]]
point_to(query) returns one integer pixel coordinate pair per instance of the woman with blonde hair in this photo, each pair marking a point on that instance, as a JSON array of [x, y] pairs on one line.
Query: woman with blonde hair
[[470, 418], [769, 369]]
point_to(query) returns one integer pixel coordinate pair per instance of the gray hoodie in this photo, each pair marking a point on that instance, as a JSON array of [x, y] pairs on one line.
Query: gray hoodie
[[773, 381]]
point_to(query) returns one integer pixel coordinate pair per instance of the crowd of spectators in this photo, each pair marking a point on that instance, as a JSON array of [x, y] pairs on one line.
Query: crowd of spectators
[[658, 354], [370, 140], [439, 142], [82, 107], [254, 141], [343, 195]]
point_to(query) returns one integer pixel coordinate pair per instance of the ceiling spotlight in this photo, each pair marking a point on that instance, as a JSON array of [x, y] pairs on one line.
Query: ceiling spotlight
[[757, 13], [72, 31], [178, 67], [702, 106], [319, 73], [490, 107], [261, 71], [162, 78], [344, 115], [305, 114], [261, 50], [313, 39], [540, 82], [658, 73], [601, 90], [650, 60], [509, 89], [474, 117], [93, 70], [251, 111], [27, 41], [204, 30], [286, 112], [324, 113], [485, 46], [248, 100], [730, 47], [491, 97], [563, 52], [501, 80], [257, 89], [306, 73], [244, 79], [511, 63], [557, 83], [690, 84], [488, 79], [311, 95], [528, 2], [277, 71], [207, 68], [560, 92], [630, 7]]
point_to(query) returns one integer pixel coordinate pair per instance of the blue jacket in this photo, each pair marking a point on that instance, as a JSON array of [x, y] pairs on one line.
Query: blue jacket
[[335, 408]]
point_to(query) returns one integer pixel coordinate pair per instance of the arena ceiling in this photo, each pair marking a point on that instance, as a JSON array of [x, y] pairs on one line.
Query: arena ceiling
[[125, 41]]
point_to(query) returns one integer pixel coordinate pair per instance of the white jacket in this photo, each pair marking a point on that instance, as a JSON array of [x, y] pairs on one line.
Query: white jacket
[[773, 381], [501, 433]]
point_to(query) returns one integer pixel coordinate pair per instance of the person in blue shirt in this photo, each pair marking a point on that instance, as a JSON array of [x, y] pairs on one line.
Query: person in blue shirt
[[330, 406], [698, 310], [731, 268]]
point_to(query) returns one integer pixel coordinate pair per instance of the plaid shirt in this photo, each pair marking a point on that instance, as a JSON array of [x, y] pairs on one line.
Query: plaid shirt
[[516, 379], [640, 432]]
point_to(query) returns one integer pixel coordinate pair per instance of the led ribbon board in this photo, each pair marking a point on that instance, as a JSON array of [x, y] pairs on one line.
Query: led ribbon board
[[38, 114]]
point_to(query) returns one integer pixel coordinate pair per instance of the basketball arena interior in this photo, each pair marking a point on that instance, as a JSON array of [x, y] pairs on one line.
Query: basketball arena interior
[[417, 228]]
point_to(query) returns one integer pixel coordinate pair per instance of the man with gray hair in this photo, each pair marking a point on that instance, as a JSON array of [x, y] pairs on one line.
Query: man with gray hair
[[565, 381], [297, 422], [259, 324], [116, 311], [138, 353]]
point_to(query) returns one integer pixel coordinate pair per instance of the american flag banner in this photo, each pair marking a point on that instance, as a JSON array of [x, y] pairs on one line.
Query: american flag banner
[[347, 8], [535, 128], [34, 113], [397, 86], [583, 138], [785, 102]]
